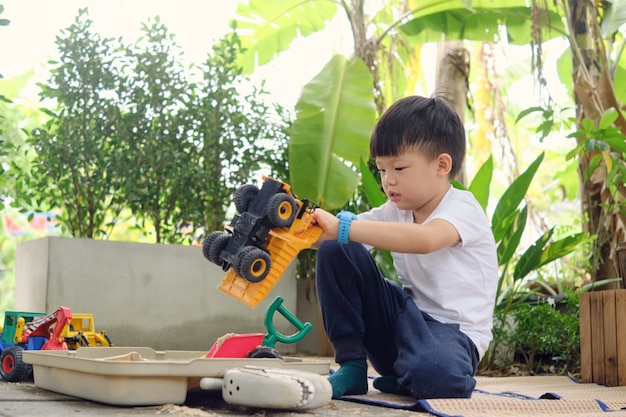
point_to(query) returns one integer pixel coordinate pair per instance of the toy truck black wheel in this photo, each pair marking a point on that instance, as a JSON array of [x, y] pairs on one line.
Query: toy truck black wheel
[[12, 367], [244, 196], [108, 339], [281, 210], [73, 342], [253, 263], [264, 352], [213, 245]]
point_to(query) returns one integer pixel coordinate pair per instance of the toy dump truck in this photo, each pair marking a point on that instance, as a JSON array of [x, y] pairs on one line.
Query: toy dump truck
[[29, 331], [272, 226]]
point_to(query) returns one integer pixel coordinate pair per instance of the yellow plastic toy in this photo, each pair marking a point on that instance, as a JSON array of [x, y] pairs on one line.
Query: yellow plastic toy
[[81, 332], [272, 227]]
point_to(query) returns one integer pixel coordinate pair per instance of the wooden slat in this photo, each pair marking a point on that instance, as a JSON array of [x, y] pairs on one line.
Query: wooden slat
[[586, 365], [610, 339], [620, 314], [597, 338]]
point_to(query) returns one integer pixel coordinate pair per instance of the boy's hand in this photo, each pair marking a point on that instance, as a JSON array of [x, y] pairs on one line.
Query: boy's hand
[[328, 223]]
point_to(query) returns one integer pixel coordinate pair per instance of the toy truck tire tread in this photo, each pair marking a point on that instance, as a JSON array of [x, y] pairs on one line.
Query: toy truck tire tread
[[213, 245], [12, 366], [264, 352], [244, 196]]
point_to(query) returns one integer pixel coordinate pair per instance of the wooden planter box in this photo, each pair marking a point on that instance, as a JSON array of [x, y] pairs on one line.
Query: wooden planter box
[[603, 337]]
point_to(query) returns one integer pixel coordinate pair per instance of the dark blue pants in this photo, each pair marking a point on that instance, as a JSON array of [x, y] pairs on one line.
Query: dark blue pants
[[368, 316]]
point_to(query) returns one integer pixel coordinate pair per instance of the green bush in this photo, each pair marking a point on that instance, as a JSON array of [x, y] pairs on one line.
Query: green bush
[[542, 336]]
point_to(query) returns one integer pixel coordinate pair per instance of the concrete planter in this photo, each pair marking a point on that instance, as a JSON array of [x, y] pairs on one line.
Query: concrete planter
[[155, 295], [316, 341]]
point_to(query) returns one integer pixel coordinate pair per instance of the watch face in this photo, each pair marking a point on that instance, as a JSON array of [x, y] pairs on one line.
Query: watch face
[[346, 215]]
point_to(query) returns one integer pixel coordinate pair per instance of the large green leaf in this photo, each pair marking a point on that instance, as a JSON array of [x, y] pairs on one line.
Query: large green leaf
[[267, 27], [479, 24], [620, 80], [482, 182], [565, 71], [373, 193], [542, 252], [513, 227], [513, 196], [335, 117], [614, 17]]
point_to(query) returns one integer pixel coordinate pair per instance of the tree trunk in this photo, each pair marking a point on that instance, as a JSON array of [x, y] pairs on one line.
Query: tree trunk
[[593, 95], [452, 81]]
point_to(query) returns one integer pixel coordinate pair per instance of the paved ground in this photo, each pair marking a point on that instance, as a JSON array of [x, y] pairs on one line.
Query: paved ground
[[25, 399]]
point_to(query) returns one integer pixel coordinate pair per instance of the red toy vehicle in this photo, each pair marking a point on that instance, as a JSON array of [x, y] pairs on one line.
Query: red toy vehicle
[[29, 331]]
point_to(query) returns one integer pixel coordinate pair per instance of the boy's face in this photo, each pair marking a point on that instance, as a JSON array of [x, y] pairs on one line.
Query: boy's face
[[413, 181]]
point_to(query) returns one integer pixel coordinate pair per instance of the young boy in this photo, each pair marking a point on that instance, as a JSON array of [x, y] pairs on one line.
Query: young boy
[[426, 337]]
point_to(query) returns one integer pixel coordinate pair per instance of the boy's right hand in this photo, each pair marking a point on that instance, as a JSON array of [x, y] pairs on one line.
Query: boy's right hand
[[328, 223]]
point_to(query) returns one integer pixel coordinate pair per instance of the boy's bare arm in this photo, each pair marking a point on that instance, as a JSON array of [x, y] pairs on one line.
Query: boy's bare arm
[[396, 237], [405, 237]]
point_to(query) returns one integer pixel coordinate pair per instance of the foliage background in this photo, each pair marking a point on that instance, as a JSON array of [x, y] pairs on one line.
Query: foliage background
[[552, 195]]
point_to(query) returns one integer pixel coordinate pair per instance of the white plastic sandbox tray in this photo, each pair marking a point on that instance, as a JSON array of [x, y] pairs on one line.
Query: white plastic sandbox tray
[[103, 374]]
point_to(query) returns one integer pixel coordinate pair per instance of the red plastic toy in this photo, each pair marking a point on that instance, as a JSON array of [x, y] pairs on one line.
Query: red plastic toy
[[259, 345]]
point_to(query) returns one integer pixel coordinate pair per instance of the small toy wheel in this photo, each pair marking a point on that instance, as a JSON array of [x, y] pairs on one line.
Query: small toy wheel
[[238, 257], [12, 367], [281, 210], [108, 339], [206, 245], [253, 263], [244, 196], [264, 352], [73, 342], [219, 244], [213, 245]]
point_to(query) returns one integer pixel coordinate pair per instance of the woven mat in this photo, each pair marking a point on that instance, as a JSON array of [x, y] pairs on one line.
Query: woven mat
[[533, 396]]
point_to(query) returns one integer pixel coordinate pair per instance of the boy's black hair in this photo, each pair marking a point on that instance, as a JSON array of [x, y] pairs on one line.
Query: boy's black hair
[[428, 124]]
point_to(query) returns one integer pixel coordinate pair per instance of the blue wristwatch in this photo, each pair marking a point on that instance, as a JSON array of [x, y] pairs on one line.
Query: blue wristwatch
[[345, 220]]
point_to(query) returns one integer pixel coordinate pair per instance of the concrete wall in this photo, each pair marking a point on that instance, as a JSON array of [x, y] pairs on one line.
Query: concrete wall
[[316, 341], [161, 296]]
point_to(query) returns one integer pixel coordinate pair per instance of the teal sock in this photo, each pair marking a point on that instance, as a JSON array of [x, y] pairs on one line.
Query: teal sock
[[389, 384], [350, 378]]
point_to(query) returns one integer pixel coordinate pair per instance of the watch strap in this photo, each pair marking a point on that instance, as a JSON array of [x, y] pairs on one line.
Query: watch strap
[[345, 220]]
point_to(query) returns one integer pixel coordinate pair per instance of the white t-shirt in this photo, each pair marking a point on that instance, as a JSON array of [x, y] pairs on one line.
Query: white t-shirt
[[456, 284]]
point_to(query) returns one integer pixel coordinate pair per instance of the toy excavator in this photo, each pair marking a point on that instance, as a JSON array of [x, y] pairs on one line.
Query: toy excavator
[[41, 332], [272, 227], [59, 330]]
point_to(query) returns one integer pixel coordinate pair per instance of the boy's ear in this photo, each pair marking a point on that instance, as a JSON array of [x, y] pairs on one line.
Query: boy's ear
[[444, 163]]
